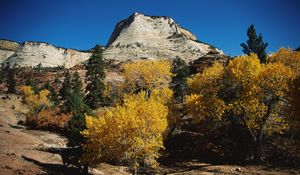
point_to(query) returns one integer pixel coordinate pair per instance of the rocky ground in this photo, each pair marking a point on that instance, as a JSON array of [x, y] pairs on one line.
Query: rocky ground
[[22, 151]]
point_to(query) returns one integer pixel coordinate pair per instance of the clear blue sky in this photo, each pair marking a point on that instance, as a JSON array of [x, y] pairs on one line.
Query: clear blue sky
[[81, 24]]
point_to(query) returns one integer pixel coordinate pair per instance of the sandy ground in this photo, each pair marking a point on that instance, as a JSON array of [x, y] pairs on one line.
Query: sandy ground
[[21, 152], [18, 143]]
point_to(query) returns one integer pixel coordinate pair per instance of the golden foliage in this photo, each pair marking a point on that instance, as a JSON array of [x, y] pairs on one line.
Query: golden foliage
[[147, 74], [203, 100], [288, 57], [132, 132], [35, 101], [291, 59], [255, 92], [208, 81], [244, 69]]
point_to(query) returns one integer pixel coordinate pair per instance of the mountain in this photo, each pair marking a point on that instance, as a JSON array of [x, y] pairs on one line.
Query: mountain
[[34, 53], [137, 37], [153, 37]]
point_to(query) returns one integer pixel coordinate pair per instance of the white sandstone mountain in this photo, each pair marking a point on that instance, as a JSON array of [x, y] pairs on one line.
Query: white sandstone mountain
[[152, 37], [34, 53], [138, 37]]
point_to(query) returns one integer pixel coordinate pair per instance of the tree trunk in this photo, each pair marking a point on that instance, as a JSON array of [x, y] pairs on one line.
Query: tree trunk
[[257, 149], [85, 170]]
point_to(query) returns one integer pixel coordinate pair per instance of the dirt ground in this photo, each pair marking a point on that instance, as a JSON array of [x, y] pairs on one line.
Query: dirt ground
[[21, 152]]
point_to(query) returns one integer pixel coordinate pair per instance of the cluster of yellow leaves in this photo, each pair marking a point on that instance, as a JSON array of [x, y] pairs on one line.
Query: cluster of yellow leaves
[[35, 101], [288, 57], [132, 132], [244, 70], [147, 74], [203, 100], [291, 59], [255, 88]]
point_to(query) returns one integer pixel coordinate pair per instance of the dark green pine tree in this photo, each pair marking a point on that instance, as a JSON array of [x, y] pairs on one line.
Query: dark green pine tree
[[47, 85], [95, 76], [53, 94], [11, 79], [77, 85], [76, 105], [255, 45], [66, 86], [181, 71]]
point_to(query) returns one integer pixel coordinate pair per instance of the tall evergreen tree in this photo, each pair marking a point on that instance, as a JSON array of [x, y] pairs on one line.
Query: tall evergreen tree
[[181, 71], [11, 79], [76, 105], [77, 85], [95, 76], [255, 44], [66, 86], [53, 94]]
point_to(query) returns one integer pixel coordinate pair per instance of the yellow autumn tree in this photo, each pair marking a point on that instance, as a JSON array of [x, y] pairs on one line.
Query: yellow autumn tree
[[128, 133], [132, 131], [203, 100], [291, 59], [153, 77], [251, 91], [35, 101], [147, 74]]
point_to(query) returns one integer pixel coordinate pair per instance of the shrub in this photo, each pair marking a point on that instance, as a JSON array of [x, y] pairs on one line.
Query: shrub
[[49, 119]]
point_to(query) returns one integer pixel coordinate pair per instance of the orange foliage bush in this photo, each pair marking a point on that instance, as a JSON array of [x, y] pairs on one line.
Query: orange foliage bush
[[49, 119]]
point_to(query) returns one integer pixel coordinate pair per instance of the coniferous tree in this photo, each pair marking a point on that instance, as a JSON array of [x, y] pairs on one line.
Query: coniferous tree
[[32, 83], [255, 44], [181, 71], [11, 79], [95, 76], [75, 104], [66, 86], [47, 85], [75, 98], [77, 85], [53, 94]]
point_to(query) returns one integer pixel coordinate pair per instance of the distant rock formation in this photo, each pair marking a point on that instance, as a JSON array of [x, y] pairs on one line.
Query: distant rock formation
[[152, 37], [205, 61], [138, 37], [34, 53]]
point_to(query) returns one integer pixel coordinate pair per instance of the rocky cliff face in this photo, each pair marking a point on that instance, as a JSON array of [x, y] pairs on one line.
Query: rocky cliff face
[[150, 37], [9, 45], [34, 53], [138, 37], [208, 60]]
